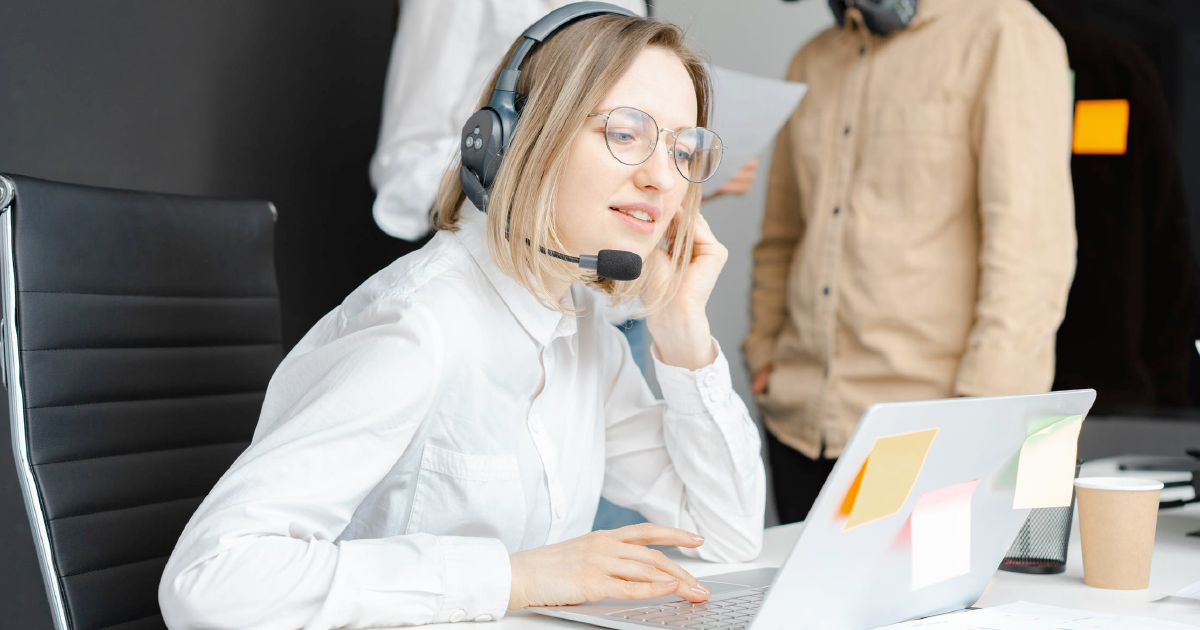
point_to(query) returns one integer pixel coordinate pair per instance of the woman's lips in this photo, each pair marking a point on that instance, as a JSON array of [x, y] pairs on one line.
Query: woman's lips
[[639, 225]]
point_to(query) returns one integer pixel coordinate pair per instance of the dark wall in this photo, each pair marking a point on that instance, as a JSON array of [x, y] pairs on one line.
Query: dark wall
[[269, 99]]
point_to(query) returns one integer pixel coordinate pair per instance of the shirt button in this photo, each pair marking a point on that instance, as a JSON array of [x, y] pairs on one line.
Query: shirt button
[[560, 509], [837, 210], [846, 131], [710, 378], [714, 395], [825, 290], [458, 615], [862, 50], [483, 618]]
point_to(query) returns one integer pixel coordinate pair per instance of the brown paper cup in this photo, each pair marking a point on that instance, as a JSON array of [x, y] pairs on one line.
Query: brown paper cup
[[1117, 517]]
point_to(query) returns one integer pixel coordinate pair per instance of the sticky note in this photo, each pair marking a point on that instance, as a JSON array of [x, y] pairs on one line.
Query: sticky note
[[1101, 127], [888, 476], [941, 534], [1046, 464], [852, 493]]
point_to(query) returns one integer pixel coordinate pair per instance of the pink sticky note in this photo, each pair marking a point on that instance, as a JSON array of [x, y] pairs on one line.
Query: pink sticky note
[[941, 534]]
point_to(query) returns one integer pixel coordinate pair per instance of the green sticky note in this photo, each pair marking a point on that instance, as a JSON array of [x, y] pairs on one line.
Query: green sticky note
[[1046, 465]]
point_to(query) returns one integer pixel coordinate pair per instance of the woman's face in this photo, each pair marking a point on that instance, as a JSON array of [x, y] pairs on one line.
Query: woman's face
[[605, 204]]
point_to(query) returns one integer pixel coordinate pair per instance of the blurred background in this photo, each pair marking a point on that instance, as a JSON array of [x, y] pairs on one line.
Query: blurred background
[[281, 101]]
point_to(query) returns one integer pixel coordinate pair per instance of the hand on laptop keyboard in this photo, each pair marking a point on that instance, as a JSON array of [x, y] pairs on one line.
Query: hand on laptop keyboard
[[614, 563]]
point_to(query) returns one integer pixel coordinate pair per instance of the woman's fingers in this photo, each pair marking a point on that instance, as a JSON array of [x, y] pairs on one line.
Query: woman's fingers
[[622, 589], [635, 571], [651, 534], [689, 587]]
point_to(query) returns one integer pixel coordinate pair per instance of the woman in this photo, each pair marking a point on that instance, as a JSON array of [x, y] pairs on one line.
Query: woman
[[434, 448]]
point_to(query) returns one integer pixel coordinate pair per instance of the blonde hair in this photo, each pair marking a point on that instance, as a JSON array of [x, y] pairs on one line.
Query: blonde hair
[[563, 79]]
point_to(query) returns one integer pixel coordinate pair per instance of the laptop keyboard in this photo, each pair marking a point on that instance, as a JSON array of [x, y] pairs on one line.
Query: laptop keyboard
[[734, 613]]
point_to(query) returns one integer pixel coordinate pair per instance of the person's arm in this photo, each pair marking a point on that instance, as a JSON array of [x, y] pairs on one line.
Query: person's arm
[[429, 76], [693, 460], [1021, 131], [263, 552], [782, 229]]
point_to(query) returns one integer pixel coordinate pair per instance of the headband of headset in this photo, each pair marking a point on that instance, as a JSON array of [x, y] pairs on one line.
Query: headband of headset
[[488, 131], [882, 17]]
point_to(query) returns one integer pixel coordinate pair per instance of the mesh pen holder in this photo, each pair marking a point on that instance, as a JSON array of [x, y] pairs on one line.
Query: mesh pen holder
[[1041, 545]]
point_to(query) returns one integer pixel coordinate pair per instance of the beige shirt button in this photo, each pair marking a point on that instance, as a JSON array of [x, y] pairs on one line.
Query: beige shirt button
[[458, 615]]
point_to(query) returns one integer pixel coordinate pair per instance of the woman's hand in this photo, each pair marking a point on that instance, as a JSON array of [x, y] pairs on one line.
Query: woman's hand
[[613, 563], [680, 329]]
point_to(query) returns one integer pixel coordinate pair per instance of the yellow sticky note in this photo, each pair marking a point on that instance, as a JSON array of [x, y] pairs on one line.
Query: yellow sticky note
[[1101, 127], [889, 475], [1046, 465], [941, 534]]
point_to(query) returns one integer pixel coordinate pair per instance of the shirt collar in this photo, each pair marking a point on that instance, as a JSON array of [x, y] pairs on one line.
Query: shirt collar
[[542, 323]]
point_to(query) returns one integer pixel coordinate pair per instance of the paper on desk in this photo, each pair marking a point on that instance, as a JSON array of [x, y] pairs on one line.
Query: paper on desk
[[941, 534], [747, 112], [888, 476], [1046, 467], [1026, 616]]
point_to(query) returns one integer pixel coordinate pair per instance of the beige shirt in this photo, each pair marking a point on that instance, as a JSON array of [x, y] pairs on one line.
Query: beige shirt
[[918, 240]]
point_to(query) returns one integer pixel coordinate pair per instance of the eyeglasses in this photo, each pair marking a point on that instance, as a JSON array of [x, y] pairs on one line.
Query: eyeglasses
[[632, 134]]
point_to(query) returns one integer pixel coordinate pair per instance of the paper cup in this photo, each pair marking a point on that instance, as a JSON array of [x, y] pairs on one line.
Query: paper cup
[[1117, 517]]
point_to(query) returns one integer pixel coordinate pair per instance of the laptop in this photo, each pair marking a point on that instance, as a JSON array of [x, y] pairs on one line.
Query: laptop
[[844, 575]]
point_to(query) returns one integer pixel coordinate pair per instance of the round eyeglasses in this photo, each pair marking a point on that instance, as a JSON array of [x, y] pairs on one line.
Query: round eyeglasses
[[632, 134]]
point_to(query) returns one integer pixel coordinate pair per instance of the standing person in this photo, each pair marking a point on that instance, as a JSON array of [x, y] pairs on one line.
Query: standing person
[[433, 450], [918, 240]]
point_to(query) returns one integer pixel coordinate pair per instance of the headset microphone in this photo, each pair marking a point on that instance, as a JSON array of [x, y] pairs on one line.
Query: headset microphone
[[489, 130], [614, 264]]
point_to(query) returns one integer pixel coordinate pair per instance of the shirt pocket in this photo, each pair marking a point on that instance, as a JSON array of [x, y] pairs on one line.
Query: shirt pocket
[[468, 495], [916, 162]]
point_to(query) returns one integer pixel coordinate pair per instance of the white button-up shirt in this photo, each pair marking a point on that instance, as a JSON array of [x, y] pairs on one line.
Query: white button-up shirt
[[436, 421]]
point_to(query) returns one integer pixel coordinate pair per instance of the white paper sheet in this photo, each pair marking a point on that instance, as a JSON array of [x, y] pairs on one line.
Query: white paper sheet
[[748, 111], [1026, 616]]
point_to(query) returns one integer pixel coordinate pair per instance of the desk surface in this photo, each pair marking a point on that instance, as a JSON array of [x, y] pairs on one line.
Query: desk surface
[[1176, 564]]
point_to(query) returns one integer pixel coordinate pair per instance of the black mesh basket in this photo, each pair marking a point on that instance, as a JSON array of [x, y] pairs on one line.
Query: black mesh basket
[[1041, 545]]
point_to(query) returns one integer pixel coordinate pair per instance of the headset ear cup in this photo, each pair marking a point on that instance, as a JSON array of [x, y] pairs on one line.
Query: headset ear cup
[[481, 146]]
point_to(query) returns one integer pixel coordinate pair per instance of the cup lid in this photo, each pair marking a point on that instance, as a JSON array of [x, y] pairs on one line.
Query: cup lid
[[1128, 484]]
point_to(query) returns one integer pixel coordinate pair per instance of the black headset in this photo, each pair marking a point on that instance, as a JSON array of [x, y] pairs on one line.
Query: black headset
[[489, 130], [882, 17]]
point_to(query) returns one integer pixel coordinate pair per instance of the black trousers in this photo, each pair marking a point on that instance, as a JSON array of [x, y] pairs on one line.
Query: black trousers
[[798, 479]]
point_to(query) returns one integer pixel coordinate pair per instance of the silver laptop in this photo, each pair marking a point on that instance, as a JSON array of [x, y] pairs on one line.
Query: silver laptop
[[859, 578]]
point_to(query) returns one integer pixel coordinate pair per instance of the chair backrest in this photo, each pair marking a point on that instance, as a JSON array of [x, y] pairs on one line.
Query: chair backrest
[[140, 331]]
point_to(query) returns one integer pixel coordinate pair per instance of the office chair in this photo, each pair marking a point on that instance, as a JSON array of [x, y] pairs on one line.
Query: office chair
[[140, 331]]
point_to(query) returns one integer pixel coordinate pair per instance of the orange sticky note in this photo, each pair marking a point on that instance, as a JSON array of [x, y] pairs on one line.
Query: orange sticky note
[[852, 493], [1101, 127], [941, 534], [889, 475]]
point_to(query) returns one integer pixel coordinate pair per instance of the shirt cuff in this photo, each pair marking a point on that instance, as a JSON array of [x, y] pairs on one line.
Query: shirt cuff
[[987, 370], [478, 579], [692, 392]]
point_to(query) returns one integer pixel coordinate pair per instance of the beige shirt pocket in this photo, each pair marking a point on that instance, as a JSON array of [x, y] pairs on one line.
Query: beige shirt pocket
[[468, 495], [915, 162]]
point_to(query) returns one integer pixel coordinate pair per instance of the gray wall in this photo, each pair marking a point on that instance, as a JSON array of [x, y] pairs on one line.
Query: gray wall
[[271, 99]]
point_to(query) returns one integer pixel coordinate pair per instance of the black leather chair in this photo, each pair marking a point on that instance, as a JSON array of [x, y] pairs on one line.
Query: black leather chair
[[140, 331]]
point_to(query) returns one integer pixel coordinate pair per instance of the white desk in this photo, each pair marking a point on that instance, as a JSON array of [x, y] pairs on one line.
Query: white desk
[[1176, 564]]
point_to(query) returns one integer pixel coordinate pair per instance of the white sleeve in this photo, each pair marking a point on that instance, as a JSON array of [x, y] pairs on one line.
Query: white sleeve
[[692, 460], [262, 551], [430, 75]]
